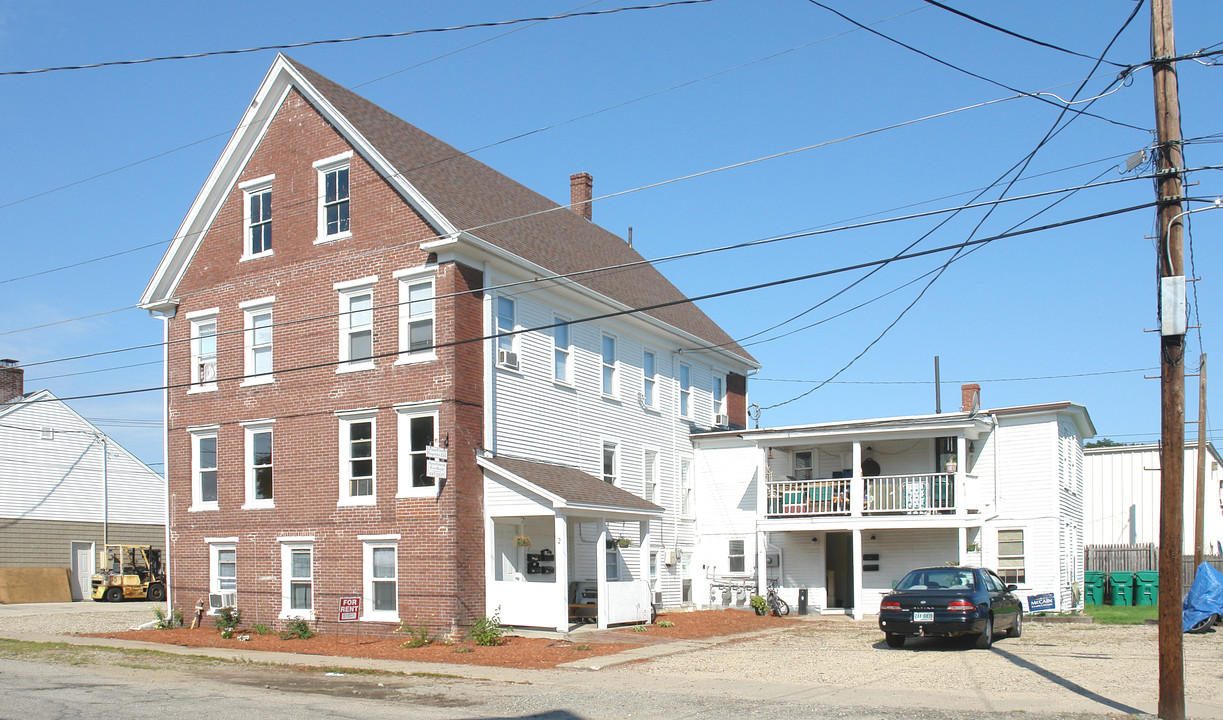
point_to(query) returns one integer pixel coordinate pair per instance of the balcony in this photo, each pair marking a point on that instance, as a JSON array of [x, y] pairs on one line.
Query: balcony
[[926, 494]]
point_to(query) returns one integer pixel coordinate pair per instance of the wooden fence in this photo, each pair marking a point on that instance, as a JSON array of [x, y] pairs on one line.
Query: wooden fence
[[1132, 558]]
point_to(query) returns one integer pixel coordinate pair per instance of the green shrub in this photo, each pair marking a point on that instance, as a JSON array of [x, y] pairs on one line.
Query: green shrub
[[665, 623], [167, 622], [487, 630], [462, 649], [419, 633], [228, 618], [759, 603], [261, 629], [638, 628], [299, 629]]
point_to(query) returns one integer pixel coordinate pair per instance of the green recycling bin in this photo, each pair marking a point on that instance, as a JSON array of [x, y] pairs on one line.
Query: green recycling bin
[[1146, 587], [1121, 588], [1093, 587]]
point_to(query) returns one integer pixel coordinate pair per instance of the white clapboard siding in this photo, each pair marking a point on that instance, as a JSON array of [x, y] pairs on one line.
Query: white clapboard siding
[[51, 469]]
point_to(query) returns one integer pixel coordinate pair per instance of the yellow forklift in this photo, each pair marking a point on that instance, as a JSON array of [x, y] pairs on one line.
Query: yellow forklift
[[129, 572]]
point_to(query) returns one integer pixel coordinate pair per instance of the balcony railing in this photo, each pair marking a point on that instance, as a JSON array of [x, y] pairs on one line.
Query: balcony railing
[[928, 494]]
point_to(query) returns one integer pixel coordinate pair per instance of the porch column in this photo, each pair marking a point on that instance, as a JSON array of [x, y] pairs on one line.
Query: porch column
[[490, 559], [561, 530], [855, 557], [962, 546], [961, 467], [601, 575], [763, 476], [762, 561], [643, 562], [856, 486]]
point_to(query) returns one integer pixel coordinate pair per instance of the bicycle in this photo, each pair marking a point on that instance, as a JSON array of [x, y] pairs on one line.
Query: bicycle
[[775, 603]]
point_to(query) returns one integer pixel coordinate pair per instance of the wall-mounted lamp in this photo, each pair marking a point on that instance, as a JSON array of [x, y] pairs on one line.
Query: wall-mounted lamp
[[872, 537], [815, 539]]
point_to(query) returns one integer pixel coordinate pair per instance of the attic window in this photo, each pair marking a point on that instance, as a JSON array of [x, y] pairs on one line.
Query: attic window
[[47, 433], [333, 193]]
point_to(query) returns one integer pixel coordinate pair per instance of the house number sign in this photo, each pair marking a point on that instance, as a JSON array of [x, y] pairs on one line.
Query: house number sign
[[435, 461]]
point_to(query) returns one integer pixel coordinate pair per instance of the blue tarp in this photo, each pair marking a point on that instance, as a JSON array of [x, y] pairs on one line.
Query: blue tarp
[[1205, 597]]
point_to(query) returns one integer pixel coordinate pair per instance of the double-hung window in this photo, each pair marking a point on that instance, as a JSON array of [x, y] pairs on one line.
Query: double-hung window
[[357, 458], [507, 340], [417, 431], [203, 350], [257, 216], [1010, 556], [297, 578], [257, 340], [356, 323], [685, 391], [333, 210], [649, 369], [610, 369], [380, 577], [416, 315], [258, 464], [719, 400], [685, 487], [650, 471], [734, 557], [562, 351], [611, 462], [203, 468], [222, 565]]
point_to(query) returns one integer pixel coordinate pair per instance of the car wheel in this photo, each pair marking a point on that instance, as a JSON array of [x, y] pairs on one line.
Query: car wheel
[[1017, 626], [894, 639], [986, 639], [114, 594], [157, 592]]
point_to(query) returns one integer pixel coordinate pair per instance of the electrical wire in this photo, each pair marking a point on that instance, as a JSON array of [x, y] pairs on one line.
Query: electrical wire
[[358, 38], [1033, 378], [654, 306]]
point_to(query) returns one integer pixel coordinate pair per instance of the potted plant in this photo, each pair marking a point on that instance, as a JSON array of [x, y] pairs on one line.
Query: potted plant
[[951, 464], [522, 541], [624, 542], [759, 604]]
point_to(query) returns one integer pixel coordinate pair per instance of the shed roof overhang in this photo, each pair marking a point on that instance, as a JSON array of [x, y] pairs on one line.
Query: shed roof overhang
[[569, 491], [971, 426]]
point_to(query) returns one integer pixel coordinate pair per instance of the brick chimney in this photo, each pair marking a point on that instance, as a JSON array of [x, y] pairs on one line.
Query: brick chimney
[[12, 380], [581, 189], [970, 397]]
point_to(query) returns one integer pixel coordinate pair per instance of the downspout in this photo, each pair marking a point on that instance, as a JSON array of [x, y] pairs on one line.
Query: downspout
[[105, 495], [165, 449]]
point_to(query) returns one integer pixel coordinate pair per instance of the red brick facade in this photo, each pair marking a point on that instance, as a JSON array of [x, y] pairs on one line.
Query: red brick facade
[[440, 550]]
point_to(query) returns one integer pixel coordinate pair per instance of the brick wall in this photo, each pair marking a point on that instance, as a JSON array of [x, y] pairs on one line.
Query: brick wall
[[440, 553]]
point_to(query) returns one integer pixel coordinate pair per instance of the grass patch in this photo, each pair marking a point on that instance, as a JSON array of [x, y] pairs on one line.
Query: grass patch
[[1122, 614], [436, 676]]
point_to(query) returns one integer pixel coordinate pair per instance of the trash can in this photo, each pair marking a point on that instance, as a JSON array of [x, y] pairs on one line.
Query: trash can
[[1093, 587], [802, 601], [1121, 588], [1146, 587]]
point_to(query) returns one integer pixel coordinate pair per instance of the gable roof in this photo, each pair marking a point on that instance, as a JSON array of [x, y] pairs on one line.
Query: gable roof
[[455, 193], [570, 485]]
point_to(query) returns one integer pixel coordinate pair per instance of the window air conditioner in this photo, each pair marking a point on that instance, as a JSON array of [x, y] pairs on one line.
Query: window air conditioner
[[668, 557], [223, 599], [720, 421], [507, 359]]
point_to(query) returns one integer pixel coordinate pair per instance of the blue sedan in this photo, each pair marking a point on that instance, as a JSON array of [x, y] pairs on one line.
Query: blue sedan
[[950, 602]]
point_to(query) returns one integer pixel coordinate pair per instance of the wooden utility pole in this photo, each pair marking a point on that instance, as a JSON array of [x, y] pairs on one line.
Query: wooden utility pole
[[1170, 166], [1199, 520]]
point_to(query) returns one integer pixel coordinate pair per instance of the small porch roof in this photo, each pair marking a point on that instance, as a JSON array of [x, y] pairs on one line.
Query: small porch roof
[[567, 488], [971, 425]]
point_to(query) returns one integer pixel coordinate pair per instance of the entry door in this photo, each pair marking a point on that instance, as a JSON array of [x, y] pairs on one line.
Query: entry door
[[82, 569], [838, 546]]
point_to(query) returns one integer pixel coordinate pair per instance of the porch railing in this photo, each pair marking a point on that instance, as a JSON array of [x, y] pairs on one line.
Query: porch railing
[[928, 494]]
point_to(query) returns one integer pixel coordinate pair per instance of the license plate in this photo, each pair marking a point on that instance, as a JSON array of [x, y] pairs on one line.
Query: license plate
[[926, 616]]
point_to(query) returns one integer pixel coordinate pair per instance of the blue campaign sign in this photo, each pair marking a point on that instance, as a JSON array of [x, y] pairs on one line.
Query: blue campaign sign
[[1044, 601]]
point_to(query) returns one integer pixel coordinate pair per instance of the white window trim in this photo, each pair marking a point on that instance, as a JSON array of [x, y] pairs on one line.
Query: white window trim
[[687, 487], [717, 401], [346, 419], [198, 433], [250, 309], [646, 402], [196, 319], [250, 428], [368, 613], [742, 556], [406, 279], [614, 393], [513, 338], [215, 546], [682, 393], [617, 464], [248, 188], [324, 166], [567, 351], [404, 415], [346, 291], [645, 465], [287, 546]]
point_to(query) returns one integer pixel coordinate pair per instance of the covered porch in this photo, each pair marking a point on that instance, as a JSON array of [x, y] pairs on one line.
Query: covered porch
[[562, 546]]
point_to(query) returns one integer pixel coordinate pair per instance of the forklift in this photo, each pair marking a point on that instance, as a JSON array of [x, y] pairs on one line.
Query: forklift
[[129, 572]]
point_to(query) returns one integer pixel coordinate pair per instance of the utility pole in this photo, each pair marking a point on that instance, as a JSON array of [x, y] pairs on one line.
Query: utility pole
[[1171, 360], [1199, 527]]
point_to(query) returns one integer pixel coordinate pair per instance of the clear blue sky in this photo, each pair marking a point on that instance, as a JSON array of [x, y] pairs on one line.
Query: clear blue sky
[[105, 160]]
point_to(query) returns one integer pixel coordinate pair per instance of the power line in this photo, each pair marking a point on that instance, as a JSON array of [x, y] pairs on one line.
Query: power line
[[1033, 378], [334, 41], [654, 306]]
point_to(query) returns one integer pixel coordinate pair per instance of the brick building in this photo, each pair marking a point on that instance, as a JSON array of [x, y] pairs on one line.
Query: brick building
[[348, 294]]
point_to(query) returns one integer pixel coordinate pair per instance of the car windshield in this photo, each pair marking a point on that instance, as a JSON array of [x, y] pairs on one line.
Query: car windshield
[[938, 579]]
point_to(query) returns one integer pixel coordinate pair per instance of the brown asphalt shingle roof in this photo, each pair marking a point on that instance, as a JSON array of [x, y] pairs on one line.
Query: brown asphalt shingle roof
[[575, 486], [472, 195]]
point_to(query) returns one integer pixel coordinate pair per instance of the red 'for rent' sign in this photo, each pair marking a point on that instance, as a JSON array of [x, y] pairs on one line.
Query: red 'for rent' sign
[[350, 608]]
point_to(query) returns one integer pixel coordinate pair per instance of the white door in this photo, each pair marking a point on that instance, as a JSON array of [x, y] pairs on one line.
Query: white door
[[82, 569]]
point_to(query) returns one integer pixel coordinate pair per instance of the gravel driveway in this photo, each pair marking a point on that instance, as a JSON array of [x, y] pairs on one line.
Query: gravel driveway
[[73, 618]]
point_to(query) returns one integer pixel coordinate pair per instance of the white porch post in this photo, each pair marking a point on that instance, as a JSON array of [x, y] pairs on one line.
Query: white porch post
[[856, 486], [961, 467], [855, 557], [561, 531], [762, 560], [601, 574], [962, 546], [643, 562], [490, 559], [762, 481]]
